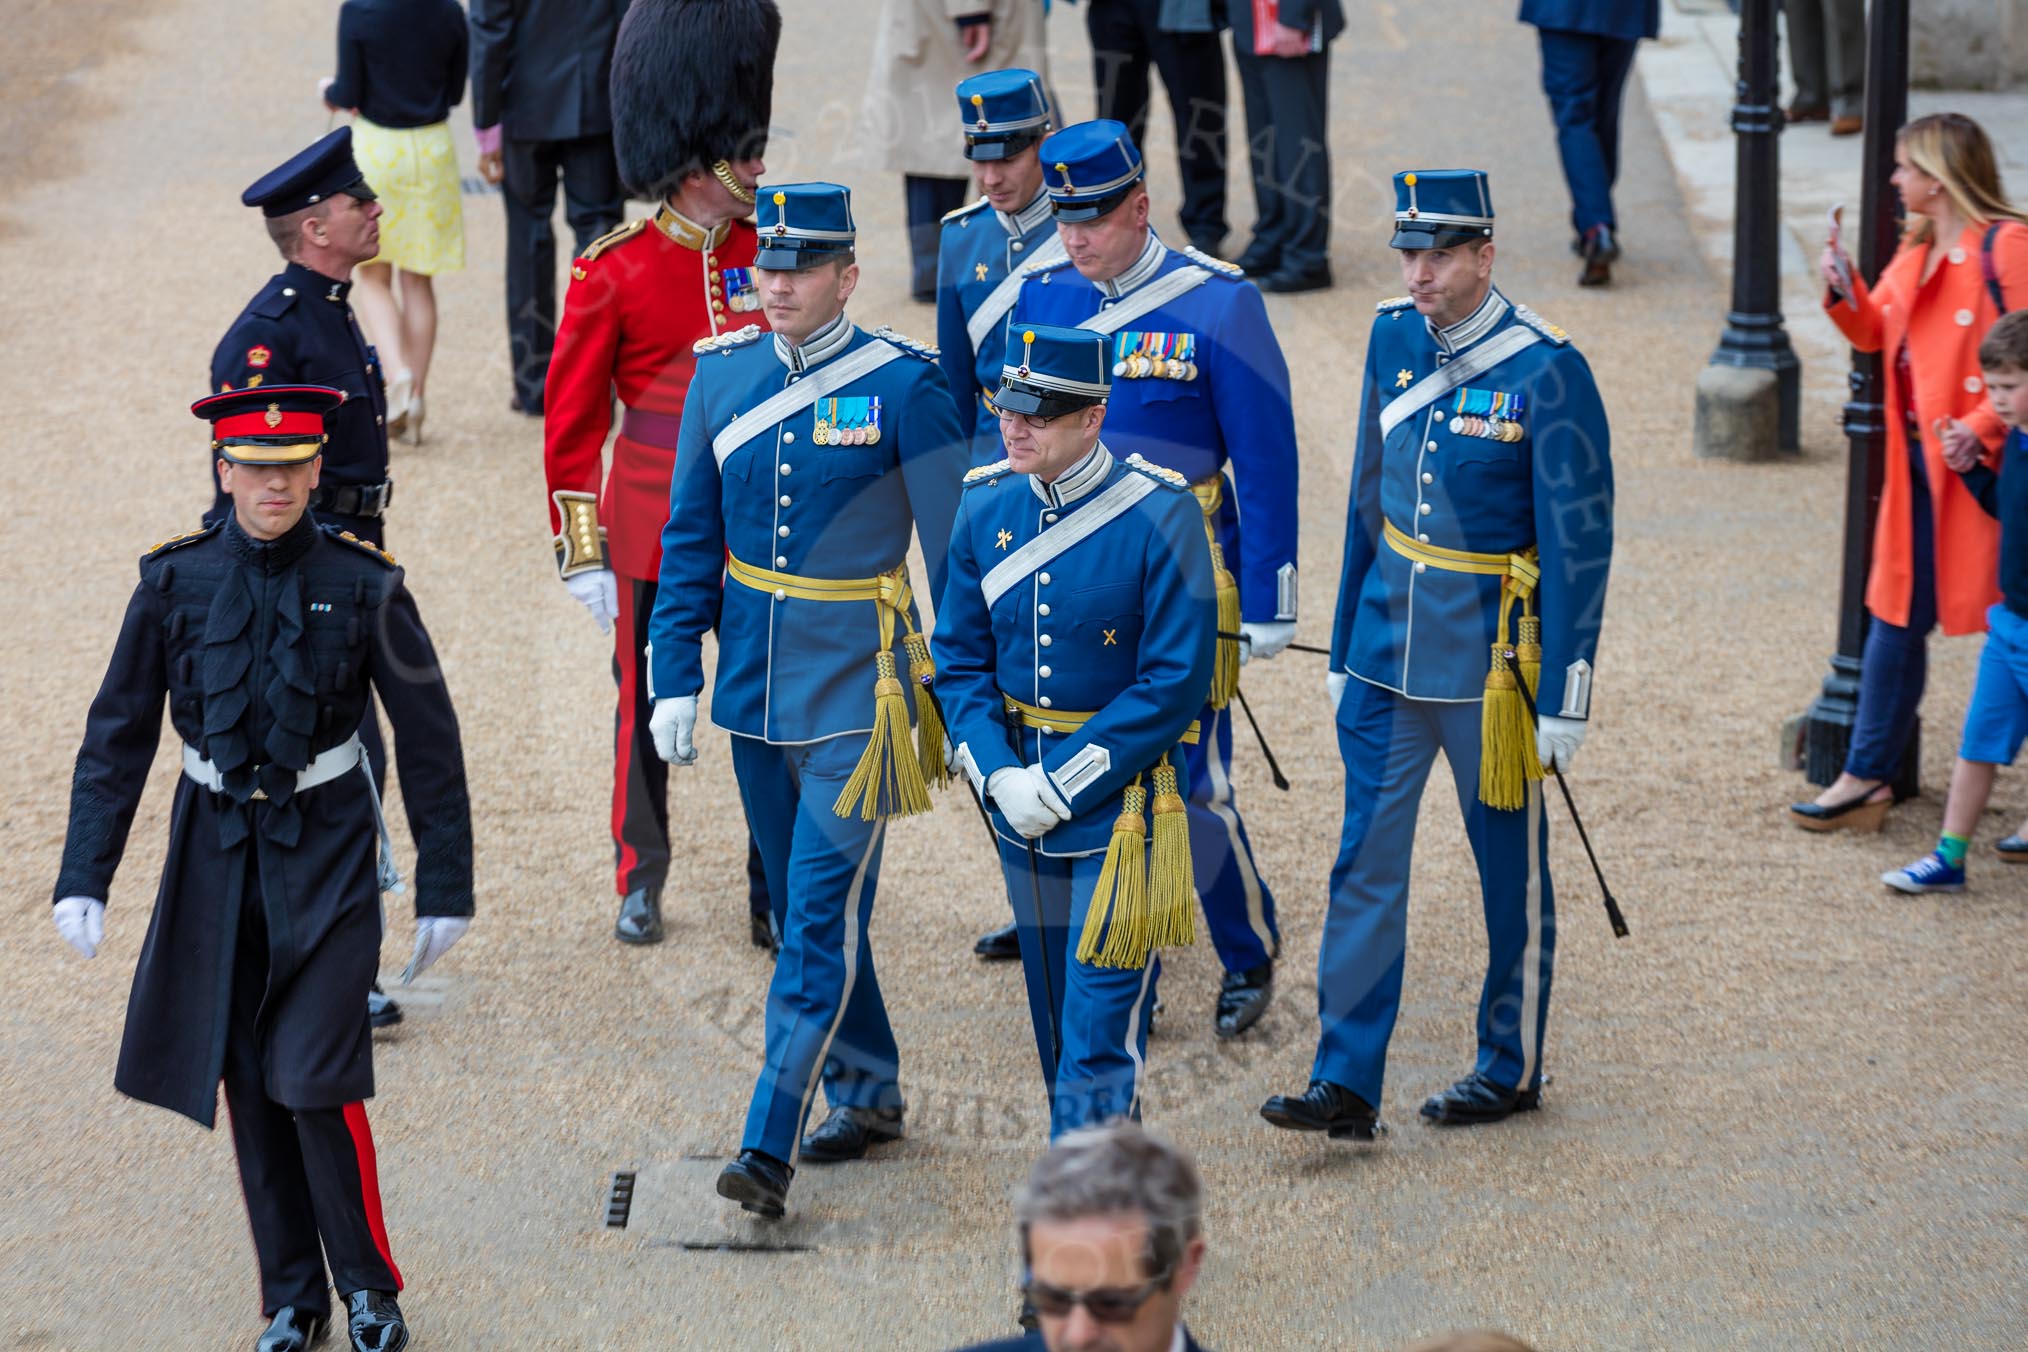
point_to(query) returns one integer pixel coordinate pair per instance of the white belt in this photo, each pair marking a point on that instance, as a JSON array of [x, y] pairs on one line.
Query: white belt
[[325, 768]]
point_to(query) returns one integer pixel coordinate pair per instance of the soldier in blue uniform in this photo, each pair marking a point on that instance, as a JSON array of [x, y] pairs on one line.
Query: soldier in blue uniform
[[262, 634], [1476, 551], [1200, 387], [1005, 115], [803, 461], [1074, 647], [299, 329]]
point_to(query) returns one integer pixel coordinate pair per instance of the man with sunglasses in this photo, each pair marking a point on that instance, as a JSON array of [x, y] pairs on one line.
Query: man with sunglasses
[[1111, 1241], [1074, 646], [1200, 387]]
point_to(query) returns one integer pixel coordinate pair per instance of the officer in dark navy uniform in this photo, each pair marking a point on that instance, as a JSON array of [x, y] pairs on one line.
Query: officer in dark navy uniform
[[1477, 544], [263, 633], [299, 329]]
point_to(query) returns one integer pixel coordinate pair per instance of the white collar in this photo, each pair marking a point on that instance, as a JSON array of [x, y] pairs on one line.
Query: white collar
[[1139, 271], [1080, 480], [1022, 222], [1473, 326], [820, 346]]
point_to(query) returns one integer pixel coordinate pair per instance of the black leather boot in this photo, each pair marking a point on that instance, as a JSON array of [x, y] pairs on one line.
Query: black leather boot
[[758, 1182], [1325, 1107], [1000, 945], [293, 1330], [760, 928], [640, 919], [1242, 998], [848, 1133], [375, 1322], [1476, 1099], [381, 1012]]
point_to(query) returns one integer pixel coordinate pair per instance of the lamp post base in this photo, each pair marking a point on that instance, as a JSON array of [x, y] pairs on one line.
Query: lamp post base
[[1827, 733]]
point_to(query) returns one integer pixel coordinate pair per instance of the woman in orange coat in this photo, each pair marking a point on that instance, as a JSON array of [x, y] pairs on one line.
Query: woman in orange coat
[[1935, 553]]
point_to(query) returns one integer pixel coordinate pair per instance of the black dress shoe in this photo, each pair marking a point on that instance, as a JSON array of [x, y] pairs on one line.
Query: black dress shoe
[[1000, 945], [640, 919], [293, 1330], [1288, 281], [1324, 1107], [760, 928], [1599, 251], [375, 1322], [381, 1012], [1259, 259], [1242, 998], [1476, 1099], [516, 404], [758, 1182], [848, 1133]]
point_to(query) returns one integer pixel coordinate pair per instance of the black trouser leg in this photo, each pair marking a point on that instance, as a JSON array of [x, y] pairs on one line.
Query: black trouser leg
[[1193, 71], [593, 200], [271, 1173], [338, 1157], [640, 776], [929, 200], [1119, 57], [1287, 129], [528, 192], [756, 878]]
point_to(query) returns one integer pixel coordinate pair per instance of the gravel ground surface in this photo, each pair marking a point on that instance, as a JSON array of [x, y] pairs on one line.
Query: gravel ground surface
[[1788, 1111]]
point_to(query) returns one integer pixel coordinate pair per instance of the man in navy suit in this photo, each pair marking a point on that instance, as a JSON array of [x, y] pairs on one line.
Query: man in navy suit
[[1587, 50], [1112, 1239]]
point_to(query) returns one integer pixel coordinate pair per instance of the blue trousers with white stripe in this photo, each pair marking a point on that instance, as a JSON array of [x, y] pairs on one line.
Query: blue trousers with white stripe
[[1388, 744], [1239, 910], [825, 1018], [1091, 1023]]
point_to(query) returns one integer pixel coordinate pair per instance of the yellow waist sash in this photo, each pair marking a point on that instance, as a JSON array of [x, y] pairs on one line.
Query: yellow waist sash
[[892, 778], [1507, 755], [1063, 721]]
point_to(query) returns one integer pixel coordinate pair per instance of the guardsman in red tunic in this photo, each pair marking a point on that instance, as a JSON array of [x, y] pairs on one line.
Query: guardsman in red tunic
[[688, 129]]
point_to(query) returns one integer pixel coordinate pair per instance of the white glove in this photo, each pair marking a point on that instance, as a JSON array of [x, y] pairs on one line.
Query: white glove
[[1557, 740], [1028, 801], [82, 923], [597, 591], [1334, 683], [1264, 640], [672, 725], [434, 935]]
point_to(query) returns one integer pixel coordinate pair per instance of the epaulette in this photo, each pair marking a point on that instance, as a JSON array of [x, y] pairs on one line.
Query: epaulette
[[1155, 471], [725, 342], [927, 351], [274, 304], [1041, 266], [1215, 264], [363, 546], [189, 537], [965, 210], [1394, 303], [1541, 326], [612, 237], [979, 474]]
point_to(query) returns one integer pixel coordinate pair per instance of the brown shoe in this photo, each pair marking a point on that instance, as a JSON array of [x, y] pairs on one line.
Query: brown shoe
[[1798, 113], [1847, 126]]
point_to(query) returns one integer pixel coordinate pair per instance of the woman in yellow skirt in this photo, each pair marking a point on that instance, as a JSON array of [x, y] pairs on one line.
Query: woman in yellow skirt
[[401, 69]]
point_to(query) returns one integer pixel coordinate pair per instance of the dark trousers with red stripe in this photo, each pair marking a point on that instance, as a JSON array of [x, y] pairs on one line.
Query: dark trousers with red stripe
[[640, 777], [311, 1184]]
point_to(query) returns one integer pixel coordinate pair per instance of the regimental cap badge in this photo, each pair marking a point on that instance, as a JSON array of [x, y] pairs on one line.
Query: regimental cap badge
[[273, 417], [1027, 350], [1064, 169]]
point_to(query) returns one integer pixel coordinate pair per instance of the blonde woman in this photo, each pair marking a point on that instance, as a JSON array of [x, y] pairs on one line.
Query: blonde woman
[[1963, 260], [401, 68]]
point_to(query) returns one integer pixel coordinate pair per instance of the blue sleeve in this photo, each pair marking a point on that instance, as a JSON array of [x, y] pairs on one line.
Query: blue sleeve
[[954, 344], [690, 585], [935, 453], [1983, 485], [1172, 673], [1250, 393], [348, 85], [1362, 513], [1573, 517], [968, 681]]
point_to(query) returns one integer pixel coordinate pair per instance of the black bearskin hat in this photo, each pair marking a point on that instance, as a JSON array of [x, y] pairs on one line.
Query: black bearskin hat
[[693, 83]]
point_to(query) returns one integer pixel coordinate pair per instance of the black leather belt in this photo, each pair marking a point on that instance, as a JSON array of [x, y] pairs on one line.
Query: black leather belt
[[354, 499]]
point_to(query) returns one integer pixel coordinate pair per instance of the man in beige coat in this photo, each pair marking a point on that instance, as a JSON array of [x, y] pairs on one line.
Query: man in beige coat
[[921, 50]]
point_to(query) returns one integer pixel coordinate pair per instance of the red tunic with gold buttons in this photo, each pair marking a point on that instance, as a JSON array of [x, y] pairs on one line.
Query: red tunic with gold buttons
[[640, 298]]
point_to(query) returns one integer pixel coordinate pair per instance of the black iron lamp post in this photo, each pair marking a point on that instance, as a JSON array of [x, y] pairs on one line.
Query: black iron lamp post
[[1754, 335], [1828, 728]]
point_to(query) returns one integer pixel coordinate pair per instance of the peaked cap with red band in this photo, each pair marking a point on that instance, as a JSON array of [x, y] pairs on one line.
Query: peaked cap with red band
[[272, 425]]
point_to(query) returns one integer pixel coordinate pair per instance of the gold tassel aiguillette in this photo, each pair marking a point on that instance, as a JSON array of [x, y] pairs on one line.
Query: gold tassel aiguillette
[[1172, 879], [1119, 904], [888, 781]]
